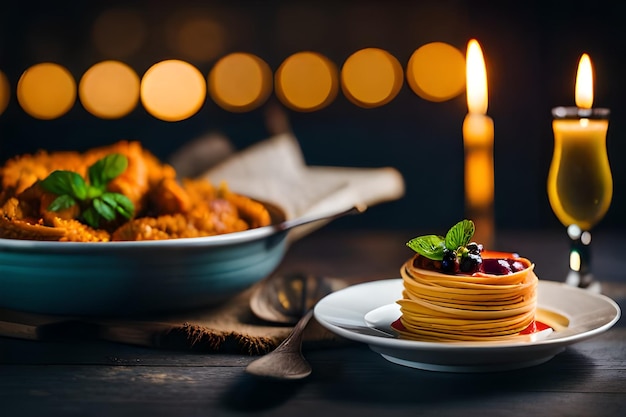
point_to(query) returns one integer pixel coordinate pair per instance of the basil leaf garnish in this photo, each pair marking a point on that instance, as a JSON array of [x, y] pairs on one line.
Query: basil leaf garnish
[[120, 203], [95, 201], [434, 246], [65, 182], [106, 169], [430, 246], [460, 234], [103, 209], [62, 202]]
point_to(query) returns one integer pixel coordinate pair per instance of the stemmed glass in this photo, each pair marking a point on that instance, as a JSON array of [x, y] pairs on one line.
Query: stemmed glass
[[580, 185]]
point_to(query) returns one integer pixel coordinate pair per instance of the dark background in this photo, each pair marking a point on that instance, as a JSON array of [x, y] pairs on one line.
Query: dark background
[[531, 51]]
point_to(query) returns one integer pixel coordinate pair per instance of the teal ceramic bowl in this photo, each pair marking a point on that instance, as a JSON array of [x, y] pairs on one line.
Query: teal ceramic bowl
[[136, 278]]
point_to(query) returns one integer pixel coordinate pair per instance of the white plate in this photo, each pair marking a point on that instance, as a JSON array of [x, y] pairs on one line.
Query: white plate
[[364, 313]]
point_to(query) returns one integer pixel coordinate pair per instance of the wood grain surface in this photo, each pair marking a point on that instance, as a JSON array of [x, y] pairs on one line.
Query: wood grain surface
[[98, 378]]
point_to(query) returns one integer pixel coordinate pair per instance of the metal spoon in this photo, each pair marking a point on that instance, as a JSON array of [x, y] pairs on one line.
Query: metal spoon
[[287, 299], [302, 220]]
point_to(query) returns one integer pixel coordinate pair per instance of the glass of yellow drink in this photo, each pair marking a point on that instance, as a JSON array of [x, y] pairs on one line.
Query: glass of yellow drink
[[580, 185]]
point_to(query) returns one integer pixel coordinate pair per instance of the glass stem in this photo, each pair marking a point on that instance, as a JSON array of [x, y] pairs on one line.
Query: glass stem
[[580, 273]]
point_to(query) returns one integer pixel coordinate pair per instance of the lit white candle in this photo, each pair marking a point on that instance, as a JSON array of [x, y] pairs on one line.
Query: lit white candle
[[478, 145], [477, 133]]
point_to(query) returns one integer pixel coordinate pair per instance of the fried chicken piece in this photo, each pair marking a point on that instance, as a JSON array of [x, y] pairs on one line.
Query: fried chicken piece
[[216, 217], [21, 172], [35, 202], [169, 197], [253, 211]]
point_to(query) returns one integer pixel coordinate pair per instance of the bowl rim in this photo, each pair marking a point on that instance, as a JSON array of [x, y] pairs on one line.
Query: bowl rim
[[277, 215]]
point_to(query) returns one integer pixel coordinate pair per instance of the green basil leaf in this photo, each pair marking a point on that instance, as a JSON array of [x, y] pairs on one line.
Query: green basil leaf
[[106, 169], [460, 234], [70, 187], [106, 211], [91, 217], [430, 246], [65, 182], [120, 203], [92, 192], [62, 202]]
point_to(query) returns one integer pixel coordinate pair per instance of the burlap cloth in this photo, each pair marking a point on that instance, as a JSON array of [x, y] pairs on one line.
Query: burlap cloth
[[230, 327]]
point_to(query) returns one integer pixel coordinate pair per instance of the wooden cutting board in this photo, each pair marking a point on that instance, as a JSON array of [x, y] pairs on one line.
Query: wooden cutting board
[[42, 327]]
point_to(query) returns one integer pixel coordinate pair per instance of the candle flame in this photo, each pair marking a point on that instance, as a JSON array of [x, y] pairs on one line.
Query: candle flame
[[584, 83], [476, 79]]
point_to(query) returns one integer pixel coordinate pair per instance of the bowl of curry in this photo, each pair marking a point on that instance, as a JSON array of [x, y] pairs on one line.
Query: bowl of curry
[[113, 231]]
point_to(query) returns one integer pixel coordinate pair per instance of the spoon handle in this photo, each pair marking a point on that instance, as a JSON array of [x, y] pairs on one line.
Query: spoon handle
[[293, 342], [301, 221], [286, 361]]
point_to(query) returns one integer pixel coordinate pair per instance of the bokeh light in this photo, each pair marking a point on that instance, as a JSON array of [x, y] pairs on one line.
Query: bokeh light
[[46, 91], [436, 71], [109, 89], [240, 82], [5, 92], [173, 90], [306, 81], [119, 32], [371, 77]]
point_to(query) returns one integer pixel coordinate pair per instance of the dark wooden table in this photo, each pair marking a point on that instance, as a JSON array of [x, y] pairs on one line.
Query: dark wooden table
[[100, 378]]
